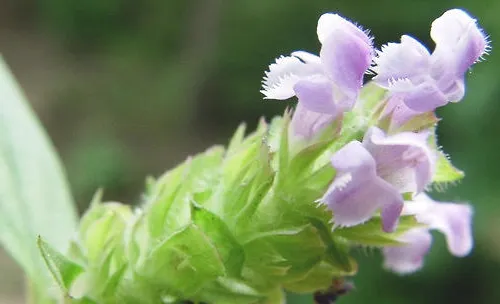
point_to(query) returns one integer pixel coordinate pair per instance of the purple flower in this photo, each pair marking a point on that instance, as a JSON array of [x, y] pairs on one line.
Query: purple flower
[[305, 124], [329, 83], [396, 116], [453, 220], [398, 112], [372, 175], [284, 73], [409, 257], [429, 81]]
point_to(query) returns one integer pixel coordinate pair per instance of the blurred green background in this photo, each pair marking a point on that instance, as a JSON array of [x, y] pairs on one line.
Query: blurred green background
[[129, 88]]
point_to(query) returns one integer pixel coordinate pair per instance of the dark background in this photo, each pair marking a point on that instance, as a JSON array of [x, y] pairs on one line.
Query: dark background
[[129, 88]]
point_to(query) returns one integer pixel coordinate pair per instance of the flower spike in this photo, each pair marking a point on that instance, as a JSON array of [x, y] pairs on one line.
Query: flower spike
[[244, 224]]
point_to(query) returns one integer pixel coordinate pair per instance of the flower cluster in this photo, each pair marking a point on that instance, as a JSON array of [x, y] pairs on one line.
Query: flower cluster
[[389, 163], [280, 208]]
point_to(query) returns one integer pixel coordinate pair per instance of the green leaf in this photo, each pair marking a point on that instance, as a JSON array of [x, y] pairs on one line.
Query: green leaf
[[184, 262], [285, 254], [273, 137], [230, 252], [336, 253], [102, 224], [236, 140], [231, 291], [319, 278], [34, 194], [247, 151], [302, 165], [320, 179], [371, 233], [284, 153], [275, 296], [164, 195], [170, 209], [445, 171], [63, 270], [110, 289], [245, 177], [370, 98], [419, 122], [83, 300]]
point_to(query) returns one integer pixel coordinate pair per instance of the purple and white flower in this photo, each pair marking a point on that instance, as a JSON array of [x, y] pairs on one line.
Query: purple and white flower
[[329, 83], [305, 124], [453, 220], [427, 81], [373, 175]]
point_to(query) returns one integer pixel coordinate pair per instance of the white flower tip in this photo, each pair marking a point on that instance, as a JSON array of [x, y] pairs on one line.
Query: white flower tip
[[266, 94], [325, 23], [328, 23], [455, 27], [278, 82]]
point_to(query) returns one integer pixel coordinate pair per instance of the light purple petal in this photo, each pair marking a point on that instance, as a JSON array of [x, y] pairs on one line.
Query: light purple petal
[[307, 123], [409, 257], [357, 192], [449, 82], [425, 97], [316, 94], [406, 60], [425, 81], [398, 111], [355, 159], [453, 220], [283, 75], [404, 160], [346, 58], [455, 90], [329, 22], [390, 213], [422, 97], [458, 36]]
